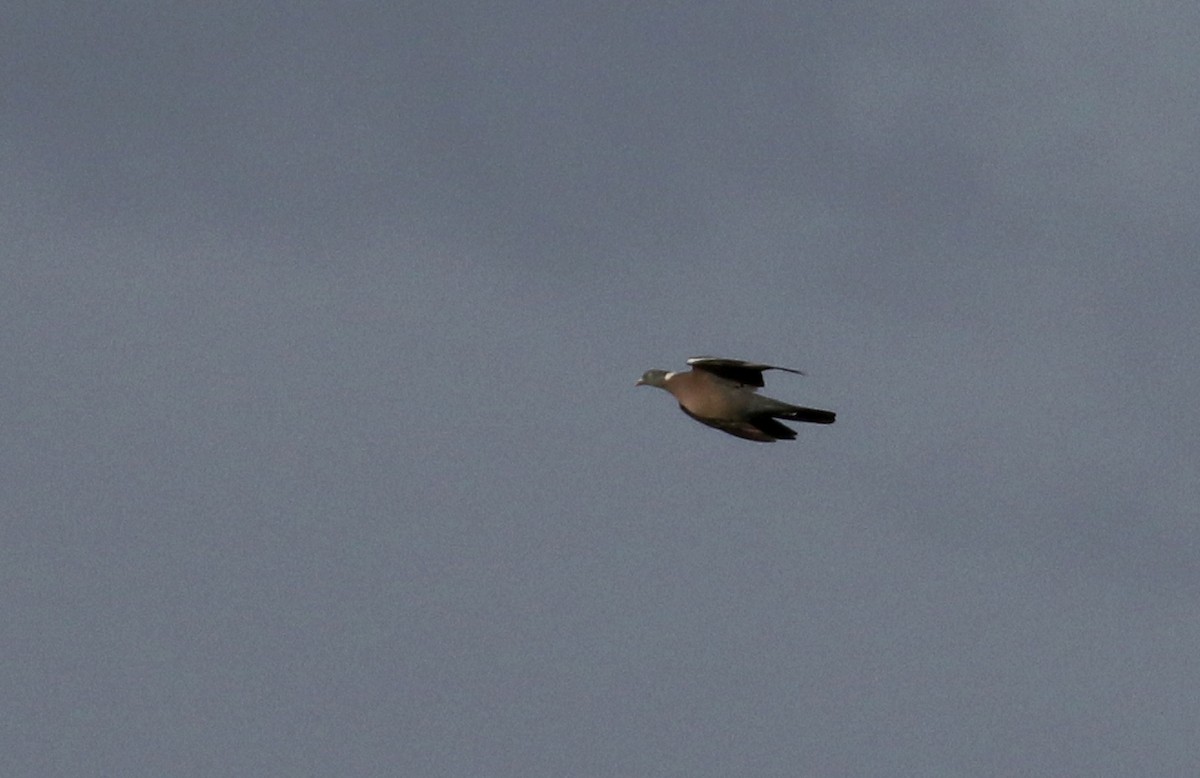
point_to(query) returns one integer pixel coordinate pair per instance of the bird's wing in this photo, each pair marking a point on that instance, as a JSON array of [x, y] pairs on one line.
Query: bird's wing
[[736, 370], [741, 428]]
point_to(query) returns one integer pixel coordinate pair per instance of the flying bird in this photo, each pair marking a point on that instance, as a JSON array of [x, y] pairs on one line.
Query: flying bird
[[723, 393]]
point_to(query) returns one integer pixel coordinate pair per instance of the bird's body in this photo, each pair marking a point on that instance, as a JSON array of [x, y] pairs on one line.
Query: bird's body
[[723, 393]]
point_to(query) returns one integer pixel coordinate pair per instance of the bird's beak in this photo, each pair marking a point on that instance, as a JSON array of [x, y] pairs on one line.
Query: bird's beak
[[639, 382]]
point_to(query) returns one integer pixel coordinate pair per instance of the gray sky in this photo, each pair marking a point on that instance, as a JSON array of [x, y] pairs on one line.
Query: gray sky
[[322, 450]]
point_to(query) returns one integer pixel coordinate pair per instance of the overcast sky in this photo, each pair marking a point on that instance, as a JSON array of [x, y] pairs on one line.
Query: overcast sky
[[322, 454]]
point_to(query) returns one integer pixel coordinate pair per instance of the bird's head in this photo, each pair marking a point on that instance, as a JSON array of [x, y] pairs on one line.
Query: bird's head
[[653, 378]]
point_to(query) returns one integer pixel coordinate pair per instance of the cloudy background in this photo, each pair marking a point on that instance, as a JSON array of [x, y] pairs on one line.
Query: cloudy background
[[321, 450]]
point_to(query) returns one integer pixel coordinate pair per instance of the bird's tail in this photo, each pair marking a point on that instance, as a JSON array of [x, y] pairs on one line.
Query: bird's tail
[[810, 415]]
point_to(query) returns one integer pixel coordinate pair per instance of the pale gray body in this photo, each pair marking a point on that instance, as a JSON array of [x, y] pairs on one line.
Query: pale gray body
[[723, 393]]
